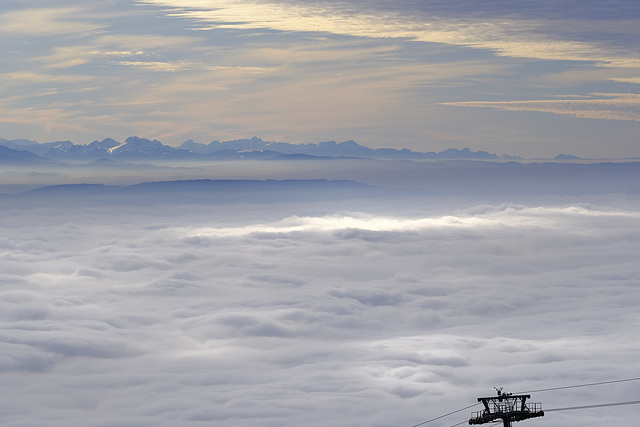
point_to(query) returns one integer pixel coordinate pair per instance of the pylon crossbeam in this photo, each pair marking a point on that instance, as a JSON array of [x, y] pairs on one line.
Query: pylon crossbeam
[[506, 407]]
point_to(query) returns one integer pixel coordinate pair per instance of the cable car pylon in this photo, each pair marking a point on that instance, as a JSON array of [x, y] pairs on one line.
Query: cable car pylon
[[507, 407]]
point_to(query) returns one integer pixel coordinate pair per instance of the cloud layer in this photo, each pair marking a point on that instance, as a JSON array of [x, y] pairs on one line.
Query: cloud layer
[[516, 32], [281, 315]]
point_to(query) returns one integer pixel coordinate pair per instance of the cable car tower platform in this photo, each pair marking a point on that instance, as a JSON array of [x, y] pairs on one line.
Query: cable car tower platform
[[507, 407]]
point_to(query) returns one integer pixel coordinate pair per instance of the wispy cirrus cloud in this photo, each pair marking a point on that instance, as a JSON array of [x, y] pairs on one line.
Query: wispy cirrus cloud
[[49, 21], [516, 37], [605, 106], [635, 80], [189, 66]]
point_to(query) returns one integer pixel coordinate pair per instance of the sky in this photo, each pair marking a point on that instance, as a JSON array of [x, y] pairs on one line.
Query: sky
[[527, 78], [327, 313]]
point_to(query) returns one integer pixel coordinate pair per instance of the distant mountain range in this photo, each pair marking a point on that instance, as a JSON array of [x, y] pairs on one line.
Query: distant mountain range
[[466, 178], [137, 149], [9, 155], [200, 191]]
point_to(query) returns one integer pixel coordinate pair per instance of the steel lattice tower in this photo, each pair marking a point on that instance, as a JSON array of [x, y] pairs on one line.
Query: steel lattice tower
[[506, 407]]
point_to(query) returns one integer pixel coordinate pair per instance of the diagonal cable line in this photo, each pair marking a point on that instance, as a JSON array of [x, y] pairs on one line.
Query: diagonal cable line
[[599, 405], [581, 385], [446, 415]]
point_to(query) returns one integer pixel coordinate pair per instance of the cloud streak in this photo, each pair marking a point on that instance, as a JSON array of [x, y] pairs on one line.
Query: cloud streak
[[605, 106], [45, 22], [522, 38]]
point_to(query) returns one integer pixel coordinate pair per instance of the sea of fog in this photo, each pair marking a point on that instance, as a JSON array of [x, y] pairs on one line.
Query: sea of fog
[[370, 310]]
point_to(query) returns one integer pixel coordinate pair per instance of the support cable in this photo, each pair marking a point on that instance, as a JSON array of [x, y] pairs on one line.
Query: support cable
[[446, 415], [580, 385], [600, 405]]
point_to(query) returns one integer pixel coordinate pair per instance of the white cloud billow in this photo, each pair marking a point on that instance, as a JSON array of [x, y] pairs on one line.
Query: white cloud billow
[[510, 216]]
